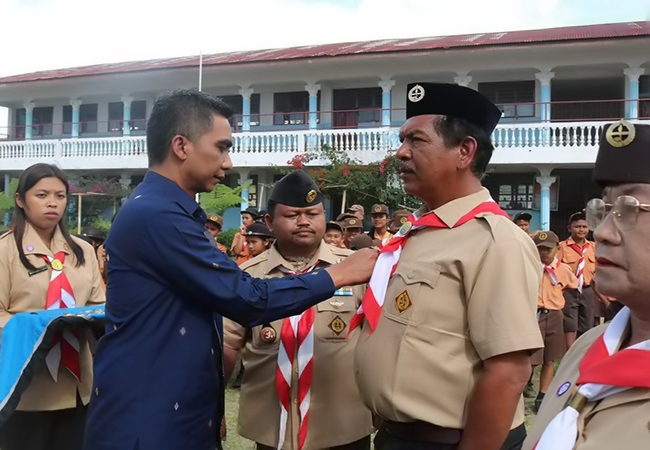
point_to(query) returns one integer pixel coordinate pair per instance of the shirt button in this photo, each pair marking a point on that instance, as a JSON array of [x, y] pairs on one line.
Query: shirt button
[[114, 327], [411, 275], [176, 406], [295, 370], [210, 424], [295, 400], [212, 351], [96, 391], [182, 331]]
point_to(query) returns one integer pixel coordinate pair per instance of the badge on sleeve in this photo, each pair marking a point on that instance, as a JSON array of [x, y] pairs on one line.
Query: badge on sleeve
[[268, 334], [403, 301], [563, 388], [337, 325]]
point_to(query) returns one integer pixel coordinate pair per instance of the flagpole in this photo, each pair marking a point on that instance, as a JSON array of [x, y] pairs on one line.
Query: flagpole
[[200, 87]]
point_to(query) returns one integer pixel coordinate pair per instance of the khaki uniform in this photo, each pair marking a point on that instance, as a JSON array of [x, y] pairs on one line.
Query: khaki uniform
[[457, 297], [101, 261], [550, 296], [337, 415], [620, 421], [20, 292], [571, 258]]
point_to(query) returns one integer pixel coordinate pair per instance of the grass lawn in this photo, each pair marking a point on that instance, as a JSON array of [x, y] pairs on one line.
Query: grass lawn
[[236, 442]]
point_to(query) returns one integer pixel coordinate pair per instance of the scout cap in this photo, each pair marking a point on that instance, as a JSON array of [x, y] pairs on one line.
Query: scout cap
[[577, 216], [258, 229], [92, 233], [623, 154], [379, 209], [523, 216], [355, 208], [399, 218], [333, 226], [454, 101], [341, 217], [361, 241], [351, 222], [296, 189], [546, 239], [252, 211], [216, 218]]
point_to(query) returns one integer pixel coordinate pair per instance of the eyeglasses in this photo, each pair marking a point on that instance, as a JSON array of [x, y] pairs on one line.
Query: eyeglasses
[[625, 209]]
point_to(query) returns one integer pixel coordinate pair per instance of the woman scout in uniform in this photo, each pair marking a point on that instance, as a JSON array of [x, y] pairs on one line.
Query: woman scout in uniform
[[600, 396], [43, 267]]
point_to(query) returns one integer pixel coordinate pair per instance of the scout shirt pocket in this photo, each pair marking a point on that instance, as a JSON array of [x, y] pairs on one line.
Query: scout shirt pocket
[[333, 316], [266, 336], [410, 292]]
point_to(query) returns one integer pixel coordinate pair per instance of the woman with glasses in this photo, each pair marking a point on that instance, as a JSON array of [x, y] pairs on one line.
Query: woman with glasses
[[600, 396]]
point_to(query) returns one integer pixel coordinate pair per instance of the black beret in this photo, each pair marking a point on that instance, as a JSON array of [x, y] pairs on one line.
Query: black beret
[[623, 154], [452, 100], [93, 233], [252, 211], [258, 229], [296, 189]]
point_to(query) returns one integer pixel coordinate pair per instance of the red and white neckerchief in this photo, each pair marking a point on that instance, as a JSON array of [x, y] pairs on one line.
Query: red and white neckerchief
[[373, 299], [65, 349], [296, 346], [580, 271], [604, 371], [550, 269]]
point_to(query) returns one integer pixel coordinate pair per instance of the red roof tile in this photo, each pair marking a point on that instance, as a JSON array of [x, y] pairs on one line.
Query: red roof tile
[[577, 33]]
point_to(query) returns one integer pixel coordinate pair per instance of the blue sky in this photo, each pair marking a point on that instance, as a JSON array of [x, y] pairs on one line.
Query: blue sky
[[47, 34]]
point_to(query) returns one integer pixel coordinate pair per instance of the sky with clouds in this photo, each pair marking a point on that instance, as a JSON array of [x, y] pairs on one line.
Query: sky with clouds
[[48, 34]]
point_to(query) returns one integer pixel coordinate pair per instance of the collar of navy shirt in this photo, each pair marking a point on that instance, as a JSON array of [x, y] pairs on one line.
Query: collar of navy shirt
[[176, 194]]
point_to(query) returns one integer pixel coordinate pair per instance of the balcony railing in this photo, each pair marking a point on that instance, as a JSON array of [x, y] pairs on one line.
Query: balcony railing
[[528, 143], [565, 111]]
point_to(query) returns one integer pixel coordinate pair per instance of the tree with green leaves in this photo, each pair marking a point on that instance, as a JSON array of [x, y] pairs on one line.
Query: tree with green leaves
[[221, 198], [7, 201], [364, 184]]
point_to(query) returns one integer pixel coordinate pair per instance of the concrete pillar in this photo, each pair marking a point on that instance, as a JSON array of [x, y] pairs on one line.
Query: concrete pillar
[[7, 216], [126, 115], [632, 106], [386, 87], [29, 119], [246, 94], [76, 104], [243, 178], [313, 104], [545, 78], [545, 204], [125, 181]]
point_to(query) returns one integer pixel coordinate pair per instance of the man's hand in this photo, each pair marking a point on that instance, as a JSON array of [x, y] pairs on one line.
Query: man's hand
[[356, 269], [223, 429], [242, 229]]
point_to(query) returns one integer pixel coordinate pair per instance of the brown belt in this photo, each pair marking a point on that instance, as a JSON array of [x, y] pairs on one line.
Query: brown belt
[[423, 432]]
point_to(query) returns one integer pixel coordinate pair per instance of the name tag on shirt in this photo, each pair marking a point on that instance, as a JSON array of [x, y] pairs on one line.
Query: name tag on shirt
[[344, 292]]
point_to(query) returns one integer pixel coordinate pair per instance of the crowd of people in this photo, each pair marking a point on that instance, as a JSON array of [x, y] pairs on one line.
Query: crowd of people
[[423, 329]]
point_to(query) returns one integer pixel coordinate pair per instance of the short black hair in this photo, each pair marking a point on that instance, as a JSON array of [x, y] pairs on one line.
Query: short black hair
[[185, 112], [453, 130]]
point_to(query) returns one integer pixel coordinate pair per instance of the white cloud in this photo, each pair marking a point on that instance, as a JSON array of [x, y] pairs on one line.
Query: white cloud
[[48, 34]]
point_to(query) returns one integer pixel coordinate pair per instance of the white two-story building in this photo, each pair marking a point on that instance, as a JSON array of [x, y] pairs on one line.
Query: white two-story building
[[556, 88]]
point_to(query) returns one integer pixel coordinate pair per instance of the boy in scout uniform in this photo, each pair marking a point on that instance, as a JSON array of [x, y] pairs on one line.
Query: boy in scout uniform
[[557, 277], [584, 410], [352, 227], [379, 215], [333, 234], [399, 218], [449, 317], [288, 374], [214, 224], [579, 254]]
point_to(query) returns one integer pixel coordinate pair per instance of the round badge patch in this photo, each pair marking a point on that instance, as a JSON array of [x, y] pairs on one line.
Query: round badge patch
[[562, 389], [416, 93], [268, 334], [311, 196]]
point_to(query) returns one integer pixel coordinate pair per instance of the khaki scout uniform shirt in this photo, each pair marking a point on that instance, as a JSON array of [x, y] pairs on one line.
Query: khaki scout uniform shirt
[[457, 297], [337, 415], [550, 296], [570, 257], [20, 292], [620, 421]]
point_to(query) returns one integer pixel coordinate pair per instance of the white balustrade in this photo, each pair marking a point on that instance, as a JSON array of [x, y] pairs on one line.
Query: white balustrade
[[514, 143]]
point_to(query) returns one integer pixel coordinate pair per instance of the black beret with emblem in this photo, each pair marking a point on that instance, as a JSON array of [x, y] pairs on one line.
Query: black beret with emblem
[[258, 229], [454, 101], [296, 189], [623, 154]]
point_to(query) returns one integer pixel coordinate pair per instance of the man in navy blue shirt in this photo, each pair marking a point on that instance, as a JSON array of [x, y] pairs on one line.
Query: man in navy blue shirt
[[158, 370]]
